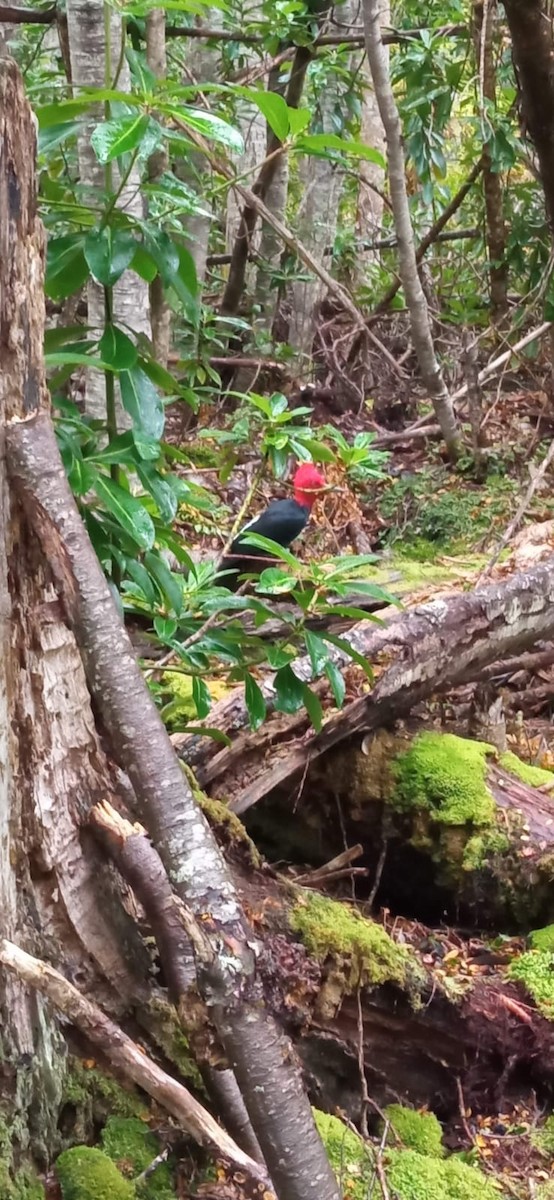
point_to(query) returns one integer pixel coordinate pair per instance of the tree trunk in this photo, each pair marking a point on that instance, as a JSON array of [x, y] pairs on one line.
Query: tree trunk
[[369, 212], [64, 627], [160, 312], [96, 43], [485, 17], [531, 30], [415, 300]]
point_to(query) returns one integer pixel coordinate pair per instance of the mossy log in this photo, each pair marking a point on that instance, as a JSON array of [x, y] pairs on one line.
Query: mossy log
[[451, 826], [424, 650]]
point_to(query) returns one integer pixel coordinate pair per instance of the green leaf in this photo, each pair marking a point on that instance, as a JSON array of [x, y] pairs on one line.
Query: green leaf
[[49, 115], [49, 138], [274, 109], [299, 119], [164, 252], [72, 358], [210, 126], [127, 510], [278, 657], [255, 702], [185, 283], [155, 484], [141, 400], [143, 264], [121, 450], [201, 697], [148, 449], [142, 579], [169, 584], [313, 707], [317, 651], [276, 551], [66, 266], [275, 582], [109, 252], [319, 143], [344, 645], [338, 686], [289, 690], [113, 138], [117, 349]]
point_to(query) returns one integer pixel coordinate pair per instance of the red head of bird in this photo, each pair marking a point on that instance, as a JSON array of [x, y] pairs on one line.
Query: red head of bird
[[307, 482]]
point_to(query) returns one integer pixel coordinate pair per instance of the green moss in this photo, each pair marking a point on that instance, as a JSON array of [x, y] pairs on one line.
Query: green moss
[[412, 1176], [543, 1138], [92, 1086], [446, 776], [542, 939], [350, 1158], [221, 818], [482, 847], [22, 1184], [419, 1131], [132, 1146], [369, 955], [85, 1173], [533, 776], [180, 708], [535, 969]]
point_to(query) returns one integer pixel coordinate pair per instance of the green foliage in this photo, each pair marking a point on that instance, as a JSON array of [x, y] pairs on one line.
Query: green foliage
[[543, 1138], [446, 776], [535, 777], [83, 1085], [426, 516], [351, 1160], [368, 956], [419, 1131], [542, 939], [535, 970], [85, 1173], [412, 1176], [132, 1146]]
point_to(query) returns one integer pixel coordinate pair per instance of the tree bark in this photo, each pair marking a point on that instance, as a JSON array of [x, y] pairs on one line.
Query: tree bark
[[485, 18], [259, 1053], [531, 30], [160, 312], [415, 300]]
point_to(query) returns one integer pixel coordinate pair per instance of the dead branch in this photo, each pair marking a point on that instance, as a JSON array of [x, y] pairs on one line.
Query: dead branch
[[324, 39], [521, 510], [128, 1058]]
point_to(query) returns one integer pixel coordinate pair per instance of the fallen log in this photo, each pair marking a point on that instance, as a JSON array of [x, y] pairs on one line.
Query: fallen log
[[435, 645]]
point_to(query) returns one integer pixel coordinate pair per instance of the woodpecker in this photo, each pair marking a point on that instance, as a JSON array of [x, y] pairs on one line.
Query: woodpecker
[[282, 521]]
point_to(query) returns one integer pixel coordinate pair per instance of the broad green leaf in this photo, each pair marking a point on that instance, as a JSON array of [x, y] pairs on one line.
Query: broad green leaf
[[117, 349], [169, 584], [148, 449], [313, 707], [317, 650], [143, 264], [318, 450], [142, 579], [201, 697], [63, 358], [141, 400], [49, 138], [274, 109], [113, 138], [66, 266], [120, 450], [49, 115], [158, 375], [165, 627], [299, 119], [127, 510], [275, 582], [289, 690], [320, 143], [276, 551], [164, 252], [155, 484], [185, 283], [255, 702], [212, 127], [277, 657], [65, 335], [109, 252], [338, 686]]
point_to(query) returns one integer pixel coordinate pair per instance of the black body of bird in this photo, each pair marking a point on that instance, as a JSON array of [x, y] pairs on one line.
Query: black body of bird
[[282, 522]]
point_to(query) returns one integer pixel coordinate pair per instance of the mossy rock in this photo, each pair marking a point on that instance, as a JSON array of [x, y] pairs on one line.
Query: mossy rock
[[413, 1176], [25, 1185], [365, 952], [419, 1131], [85, 1173], [95, 1088], [132, 1146], [535, 969], [534, 777]]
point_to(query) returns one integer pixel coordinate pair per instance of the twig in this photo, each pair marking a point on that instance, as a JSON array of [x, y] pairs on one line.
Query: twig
[[128, 1058], [325, 39], [366, 1100], [334, 864], [533, 485], [499, 362], [462, 1111], [378, 872]]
